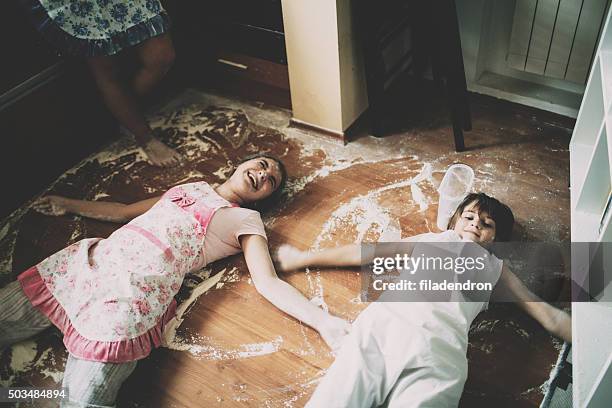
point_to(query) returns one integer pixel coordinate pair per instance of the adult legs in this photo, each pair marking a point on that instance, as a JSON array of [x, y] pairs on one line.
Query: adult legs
[[156, 56], [19, 320], [94, 384], [123, 106]]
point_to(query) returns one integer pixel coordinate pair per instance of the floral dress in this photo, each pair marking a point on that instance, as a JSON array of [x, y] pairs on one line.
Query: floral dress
[[98, 27], [112, 297]]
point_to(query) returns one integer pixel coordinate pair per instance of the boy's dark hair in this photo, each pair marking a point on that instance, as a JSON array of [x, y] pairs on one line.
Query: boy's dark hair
[[500, 212], [274, 198]]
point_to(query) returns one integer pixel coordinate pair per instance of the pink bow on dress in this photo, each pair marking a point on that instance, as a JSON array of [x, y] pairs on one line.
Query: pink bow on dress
[[181, 198]]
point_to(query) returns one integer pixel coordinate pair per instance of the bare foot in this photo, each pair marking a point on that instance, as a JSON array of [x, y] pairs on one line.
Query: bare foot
[[51, 205], [161, 155], [289, 258]]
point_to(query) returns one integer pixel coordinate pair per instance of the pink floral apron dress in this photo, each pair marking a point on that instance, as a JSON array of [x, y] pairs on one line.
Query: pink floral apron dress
[[112, 297]]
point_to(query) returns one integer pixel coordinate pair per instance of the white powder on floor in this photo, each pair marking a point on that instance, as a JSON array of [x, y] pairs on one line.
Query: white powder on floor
[[316, 288], [191, 176], [258, 349], [366, 214], [170, 339], [4, 231], [224, 172], [369, 218], [46, 365], [23, 356], [206, 350], [77, 233], [99, 195], [203, 348]]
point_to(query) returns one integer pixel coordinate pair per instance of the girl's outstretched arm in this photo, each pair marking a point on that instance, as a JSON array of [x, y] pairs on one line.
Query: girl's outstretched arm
[[286, 297], [556, 321], [99, 210]]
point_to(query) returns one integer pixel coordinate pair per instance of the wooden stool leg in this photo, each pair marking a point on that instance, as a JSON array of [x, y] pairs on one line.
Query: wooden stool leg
[[467, 116], [451, 55], [376, 93], [457, 111], [458, 128], [458, 68], [368, 17]]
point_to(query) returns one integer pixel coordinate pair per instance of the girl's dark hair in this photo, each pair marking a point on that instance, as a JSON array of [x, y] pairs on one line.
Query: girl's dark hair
[[274, 198], [500, 212]]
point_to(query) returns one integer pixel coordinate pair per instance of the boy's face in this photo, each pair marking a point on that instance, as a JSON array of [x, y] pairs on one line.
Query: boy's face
[[475, 225]]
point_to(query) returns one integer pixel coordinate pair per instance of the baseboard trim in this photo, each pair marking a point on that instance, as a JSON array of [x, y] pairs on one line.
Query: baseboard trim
[[334, 134]]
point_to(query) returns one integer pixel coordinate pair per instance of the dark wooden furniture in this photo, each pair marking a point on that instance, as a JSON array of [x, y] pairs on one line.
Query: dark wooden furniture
[[428, 32]]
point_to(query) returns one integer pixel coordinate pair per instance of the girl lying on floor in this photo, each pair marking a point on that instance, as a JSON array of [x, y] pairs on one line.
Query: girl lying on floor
[[413, 354], [112, 297]]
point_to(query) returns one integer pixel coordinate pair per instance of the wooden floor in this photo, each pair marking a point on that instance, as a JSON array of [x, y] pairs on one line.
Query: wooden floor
[[234, 348]]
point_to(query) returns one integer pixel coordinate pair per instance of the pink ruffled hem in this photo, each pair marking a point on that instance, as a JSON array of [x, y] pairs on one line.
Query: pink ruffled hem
[[120, 351]]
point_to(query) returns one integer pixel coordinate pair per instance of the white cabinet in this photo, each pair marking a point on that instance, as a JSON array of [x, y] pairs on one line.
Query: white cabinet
[[590, 182]]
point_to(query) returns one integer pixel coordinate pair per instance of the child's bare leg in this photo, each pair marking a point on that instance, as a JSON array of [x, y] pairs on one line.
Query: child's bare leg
[[122, 105], [156, 56]]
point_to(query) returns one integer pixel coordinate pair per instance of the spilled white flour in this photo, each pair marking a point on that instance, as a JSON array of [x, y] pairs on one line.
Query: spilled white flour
[[316, 286], [23, 355], [22, 358], [46, 364], [202, 347], [169, 335], [192, 175], [369, 218], [25, 359], [224, 171], [259, 349]]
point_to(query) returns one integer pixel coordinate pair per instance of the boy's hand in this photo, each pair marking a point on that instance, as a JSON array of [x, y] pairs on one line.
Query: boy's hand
[[563, 326], [289, 258], [51, 205], [333, 330]]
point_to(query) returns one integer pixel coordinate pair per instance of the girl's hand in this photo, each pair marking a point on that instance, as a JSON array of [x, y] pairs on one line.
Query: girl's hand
[[51, 205], [333, 330], [289, 258]]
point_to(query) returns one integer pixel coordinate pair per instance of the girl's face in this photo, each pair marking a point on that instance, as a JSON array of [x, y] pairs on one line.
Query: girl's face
[[475, 226], [256, 179]]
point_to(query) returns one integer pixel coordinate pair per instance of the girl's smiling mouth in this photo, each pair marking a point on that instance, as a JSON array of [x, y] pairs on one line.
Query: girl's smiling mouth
[[252, 179]]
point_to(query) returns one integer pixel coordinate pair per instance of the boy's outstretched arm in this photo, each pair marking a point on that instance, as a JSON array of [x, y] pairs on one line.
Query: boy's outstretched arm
[[556, 321], [289, 258]]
